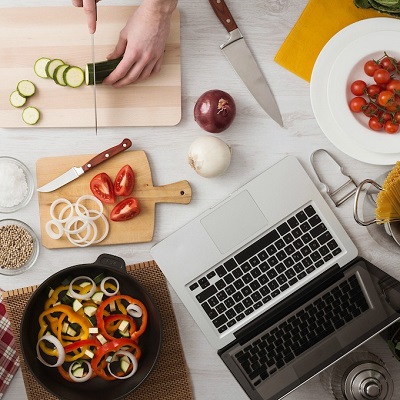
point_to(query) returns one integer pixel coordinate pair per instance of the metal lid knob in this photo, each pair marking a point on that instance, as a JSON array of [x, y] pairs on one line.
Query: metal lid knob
[[371, 388]]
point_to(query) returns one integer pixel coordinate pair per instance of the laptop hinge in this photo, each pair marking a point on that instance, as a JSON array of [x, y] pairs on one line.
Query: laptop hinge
[[291, 303]]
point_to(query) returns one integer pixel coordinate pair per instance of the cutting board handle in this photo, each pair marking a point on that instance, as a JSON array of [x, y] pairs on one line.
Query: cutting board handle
[[178, 192]]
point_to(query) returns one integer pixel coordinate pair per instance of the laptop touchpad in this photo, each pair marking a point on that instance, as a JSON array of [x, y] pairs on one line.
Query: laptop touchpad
[[234, 222]]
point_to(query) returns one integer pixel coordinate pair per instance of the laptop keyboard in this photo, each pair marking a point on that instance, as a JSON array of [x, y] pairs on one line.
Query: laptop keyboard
[[265, 269], [277, 347]]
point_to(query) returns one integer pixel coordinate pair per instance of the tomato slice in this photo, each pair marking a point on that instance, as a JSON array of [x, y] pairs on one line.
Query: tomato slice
[[125, 181], [102, 187], [125, 209]]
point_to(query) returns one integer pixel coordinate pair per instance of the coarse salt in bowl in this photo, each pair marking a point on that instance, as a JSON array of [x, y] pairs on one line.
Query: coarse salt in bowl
[[16, 184], [19, 247]]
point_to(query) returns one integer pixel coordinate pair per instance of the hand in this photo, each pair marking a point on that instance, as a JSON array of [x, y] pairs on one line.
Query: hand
[[89, 7], [142, 45]]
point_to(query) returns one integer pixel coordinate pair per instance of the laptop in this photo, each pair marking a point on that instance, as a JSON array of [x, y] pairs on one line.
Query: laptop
[[275, 283]]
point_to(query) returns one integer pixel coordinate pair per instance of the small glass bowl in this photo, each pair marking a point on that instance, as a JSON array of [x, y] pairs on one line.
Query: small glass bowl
[[35, 250], [29, 182]]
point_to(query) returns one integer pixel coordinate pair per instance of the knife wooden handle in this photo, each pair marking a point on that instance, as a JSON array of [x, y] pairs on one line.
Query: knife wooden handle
[[224, 15], [107, 154]]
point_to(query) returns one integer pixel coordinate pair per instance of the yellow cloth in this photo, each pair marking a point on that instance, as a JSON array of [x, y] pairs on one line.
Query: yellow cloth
[[320, 20]]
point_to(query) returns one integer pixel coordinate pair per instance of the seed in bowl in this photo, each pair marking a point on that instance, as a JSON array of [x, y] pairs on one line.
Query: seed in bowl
[[16, 246]]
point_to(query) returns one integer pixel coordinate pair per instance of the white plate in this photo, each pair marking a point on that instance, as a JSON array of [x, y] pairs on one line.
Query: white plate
[[320, 80], [348, 67]]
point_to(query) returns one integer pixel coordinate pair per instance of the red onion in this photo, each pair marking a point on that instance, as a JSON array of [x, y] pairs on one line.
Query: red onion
[[214, 111]]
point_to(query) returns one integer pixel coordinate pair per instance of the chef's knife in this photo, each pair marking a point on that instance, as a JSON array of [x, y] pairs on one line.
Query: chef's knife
[[240, 57], [94, 73], [76, 172]]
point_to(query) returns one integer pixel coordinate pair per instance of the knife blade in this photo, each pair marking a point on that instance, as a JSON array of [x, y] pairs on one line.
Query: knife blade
[[94, 73], [242, 60], [76, 172]]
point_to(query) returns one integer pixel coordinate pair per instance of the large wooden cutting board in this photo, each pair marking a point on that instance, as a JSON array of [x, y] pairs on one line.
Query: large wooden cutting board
[[29, 33], [138, 229]]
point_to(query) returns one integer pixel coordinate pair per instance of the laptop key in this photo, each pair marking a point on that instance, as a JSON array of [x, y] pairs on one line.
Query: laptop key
[[220, 320], [205, 294], [230, 264], [221, 271], [203, 282], [194, 286]]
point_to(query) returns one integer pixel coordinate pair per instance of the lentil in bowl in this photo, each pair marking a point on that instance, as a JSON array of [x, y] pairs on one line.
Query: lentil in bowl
[[19, 247]]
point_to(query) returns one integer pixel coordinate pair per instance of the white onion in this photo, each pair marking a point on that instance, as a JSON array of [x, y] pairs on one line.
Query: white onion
[[96, 213], [134, 310], [103, 288], [50, 231], [133, 360], [60, 349], [209, 156], [82, 296], [84, 378], [60, 217]]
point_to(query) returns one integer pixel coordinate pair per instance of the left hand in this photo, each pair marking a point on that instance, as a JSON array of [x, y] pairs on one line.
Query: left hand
[[142, 44]]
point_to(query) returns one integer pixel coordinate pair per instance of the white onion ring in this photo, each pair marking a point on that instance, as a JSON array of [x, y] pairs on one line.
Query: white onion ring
[[134, 364], [134, 310], [82, 296], [96, 212], [61, 353], [74, 220], [103, 289], [50, 231], [83, 241], [106, 230], [85, 377], [55, 204]]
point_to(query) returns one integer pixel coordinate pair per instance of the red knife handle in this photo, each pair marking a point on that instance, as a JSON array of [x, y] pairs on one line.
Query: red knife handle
[[224, 15], [107, 154]]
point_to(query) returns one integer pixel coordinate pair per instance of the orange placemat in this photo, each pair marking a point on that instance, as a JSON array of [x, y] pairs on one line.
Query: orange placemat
[[319, 22], [169, 379]]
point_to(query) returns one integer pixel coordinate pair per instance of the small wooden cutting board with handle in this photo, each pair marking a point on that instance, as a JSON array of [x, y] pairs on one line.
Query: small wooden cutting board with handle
[[138, 229]]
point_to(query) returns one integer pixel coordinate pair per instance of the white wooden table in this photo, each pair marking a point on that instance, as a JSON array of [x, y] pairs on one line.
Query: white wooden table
[[257, 143]]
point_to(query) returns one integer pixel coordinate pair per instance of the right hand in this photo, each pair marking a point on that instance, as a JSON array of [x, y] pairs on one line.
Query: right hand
[[89, 7]]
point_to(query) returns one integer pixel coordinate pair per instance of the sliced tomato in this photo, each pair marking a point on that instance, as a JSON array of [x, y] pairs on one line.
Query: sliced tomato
[[125, 181], [125, 209], [102, 187]]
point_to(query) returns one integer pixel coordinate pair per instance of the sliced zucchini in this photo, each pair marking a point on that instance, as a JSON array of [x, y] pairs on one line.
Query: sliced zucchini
[[50, 291], [78, 372], [31, 115], [90, 310], [71, 331], [52, 65], [74, 76], [103, 69], [16, 100], [97, 279], [84, 284], [65, 327], [123, 326], [26, 88], [40, 67], [98, 297], [58, 75], [76, 305], [89, 353], [113, 307], [67, 281], [124, 363], [101, 338], [76, 365], [94, 330]]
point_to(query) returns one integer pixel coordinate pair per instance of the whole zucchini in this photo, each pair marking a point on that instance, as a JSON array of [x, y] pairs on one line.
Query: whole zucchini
[[102, 70]]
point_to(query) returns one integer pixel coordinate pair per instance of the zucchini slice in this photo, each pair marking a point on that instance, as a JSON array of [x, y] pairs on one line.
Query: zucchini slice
[[26, 88], [74, 76], [58, 75], [16, 100], [51, 66], [31, 115], [40, 67], [103, 69]]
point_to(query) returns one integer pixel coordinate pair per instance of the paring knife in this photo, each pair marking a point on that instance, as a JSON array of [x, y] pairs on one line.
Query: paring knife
[[76, 172], [94, 73], [240, 57]]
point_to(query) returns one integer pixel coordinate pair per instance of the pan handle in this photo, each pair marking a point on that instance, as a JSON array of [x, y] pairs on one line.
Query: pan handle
[[355, 209], [109, 260]]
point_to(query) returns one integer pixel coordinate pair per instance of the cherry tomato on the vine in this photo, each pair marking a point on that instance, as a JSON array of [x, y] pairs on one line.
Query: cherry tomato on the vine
[[386, 99], [375, 124], [357, 103], [391, 127], [373, 91], [370, 67], [358, 87], [381, 76], [370, 110], [388, 63], [393, 85]]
